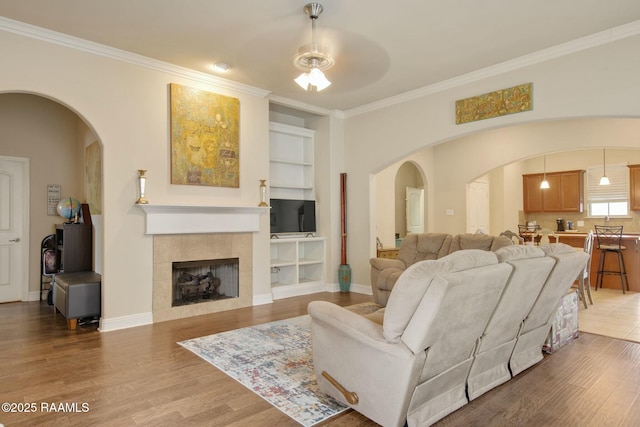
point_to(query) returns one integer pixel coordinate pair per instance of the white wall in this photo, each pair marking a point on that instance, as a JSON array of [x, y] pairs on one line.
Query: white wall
[[126, 105], [598, 82]]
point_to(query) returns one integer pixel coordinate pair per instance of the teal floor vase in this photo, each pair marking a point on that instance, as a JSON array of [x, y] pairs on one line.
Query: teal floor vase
[[344, 277]]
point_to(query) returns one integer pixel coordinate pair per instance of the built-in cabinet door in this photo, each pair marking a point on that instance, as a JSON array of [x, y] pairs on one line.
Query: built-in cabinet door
[[532, 195], [565, 192], [634, 187], [552, 196], [571, 189]]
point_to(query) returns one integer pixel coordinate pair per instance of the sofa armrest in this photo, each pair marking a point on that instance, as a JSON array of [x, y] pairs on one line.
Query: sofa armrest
[[381, 282], [356, 326], [382, 263]]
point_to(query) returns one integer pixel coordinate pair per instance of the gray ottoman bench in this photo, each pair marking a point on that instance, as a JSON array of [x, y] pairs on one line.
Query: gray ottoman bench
[[77, 295]]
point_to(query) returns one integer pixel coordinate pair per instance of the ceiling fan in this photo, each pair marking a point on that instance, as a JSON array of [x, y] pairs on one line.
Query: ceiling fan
[[313, 58]]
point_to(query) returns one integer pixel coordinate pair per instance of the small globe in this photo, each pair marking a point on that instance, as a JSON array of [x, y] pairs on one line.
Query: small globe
[[68, 208]]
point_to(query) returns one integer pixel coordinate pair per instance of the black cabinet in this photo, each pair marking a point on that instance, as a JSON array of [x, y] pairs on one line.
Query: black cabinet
[[74, 243]]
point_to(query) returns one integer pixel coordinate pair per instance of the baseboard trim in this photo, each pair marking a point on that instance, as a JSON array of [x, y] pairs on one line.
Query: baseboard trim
[[262, 299], [355, 288], [35, 295], [124, 322], [287, 291]]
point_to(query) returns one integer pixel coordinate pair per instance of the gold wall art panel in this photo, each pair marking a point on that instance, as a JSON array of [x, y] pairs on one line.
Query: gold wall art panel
[[205, 138], [93, 177], [495, 104]]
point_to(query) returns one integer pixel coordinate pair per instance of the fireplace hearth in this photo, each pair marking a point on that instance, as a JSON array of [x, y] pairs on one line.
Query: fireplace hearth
[[204, 280]]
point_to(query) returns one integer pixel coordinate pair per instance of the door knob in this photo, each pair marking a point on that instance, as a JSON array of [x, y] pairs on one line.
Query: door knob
[[17, 239]]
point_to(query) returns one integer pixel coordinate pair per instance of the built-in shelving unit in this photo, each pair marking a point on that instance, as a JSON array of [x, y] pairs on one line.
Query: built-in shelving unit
[[297, 266], [297, 263], [290, 162]]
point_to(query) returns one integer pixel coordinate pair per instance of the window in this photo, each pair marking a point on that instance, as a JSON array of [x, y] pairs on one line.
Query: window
[[608, 200]]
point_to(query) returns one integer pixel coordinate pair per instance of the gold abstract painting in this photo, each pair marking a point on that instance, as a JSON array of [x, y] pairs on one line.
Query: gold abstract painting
[[494, 104], [93, 177], [205, 138]]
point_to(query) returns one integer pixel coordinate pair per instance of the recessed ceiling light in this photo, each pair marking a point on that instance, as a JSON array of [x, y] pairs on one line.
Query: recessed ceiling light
[[221, 66]]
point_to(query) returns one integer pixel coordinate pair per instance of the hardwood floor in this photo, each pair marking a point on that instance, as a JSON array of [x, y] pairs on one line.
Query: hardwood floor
[[140, 376]]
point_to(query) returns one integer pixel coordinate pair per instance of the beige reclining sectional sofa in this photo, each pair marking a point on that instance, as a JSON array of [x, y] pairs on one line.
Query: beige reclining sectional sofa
[[453, 329], [424, 246]]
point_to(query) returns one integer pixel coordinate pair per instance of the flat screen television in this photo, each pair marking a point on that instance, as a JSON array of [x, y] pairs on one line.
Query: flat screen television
[[293, 216]]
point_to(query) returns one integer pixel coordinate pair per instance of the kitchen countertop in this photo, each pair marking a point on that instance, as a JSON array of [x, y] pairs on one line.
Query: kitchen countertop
[[630, 234]]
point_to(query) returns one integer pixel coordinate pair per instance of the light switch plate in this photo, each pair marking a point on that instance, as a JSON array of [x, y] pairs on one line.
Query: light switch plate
[[448, 212]]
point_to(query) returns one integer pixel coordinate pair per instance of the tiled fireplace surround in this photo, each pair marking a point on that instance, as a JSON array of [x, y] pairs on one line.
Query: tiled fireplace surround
[[193, 247], [191, 233]]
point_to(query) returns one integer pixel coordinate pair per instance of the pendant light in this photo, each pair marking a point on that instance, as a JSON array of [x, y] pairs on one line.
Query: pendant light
[[604, 180], [544, 184]]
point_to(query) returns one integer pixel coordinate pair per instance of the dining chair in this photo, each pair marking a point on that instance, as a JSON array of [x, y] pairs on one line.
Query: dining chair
[[585, 275], [528, 232], [609, 240]]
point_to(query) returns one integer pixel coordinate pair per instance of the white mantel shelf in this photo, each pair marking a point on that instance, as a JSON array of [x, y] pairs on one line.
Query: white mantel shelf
[[171, 219]]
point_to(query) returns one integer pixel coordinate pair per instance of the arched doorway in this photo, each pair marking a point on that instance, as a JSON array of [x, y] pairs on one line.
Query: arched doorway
[[392, 186], [63, 152]]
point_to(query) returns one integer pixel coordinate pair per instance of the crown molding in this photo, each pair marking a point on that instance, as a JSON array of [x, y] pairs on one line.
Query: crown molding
[[54, 37], [297, 105], [577, 45], [598, 39]]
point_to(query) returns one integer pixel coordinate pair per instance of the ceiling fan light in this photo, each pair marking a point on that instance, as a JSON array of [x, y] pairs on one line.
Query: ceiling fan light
[[318, 79], [604, 180], [303, 81]]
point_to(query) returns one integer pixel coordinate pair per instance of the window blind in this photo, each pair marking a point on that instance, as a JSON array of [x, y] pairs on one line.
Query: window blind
[[617, 191]]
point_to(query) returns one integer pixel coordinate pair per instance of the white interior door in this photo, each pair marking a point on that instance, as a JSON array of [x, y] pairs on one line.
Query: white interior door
[[13, 241], [415, 210], [478, 206]]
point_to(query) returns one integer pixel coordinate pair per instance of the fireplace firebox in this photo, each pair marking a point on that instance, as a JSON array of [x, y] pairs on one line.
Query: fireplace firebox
[[204, 280]]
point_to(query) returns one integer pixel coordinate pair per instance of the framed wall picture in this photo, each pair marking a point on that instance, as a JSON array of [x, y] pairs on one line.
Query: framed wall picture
[[205, 142], [53, 198]]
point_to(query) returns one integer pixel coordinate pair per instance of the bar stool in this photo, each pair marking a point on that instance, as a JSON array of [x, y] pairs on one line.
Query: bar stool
[[609, 238]]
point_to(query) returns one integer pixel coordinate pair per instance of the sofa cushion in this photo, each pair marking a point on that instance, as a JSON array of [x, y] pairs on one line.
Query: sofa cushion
[[413, 283], [553, 249], [479, 241], [424, 246], [515, 252]]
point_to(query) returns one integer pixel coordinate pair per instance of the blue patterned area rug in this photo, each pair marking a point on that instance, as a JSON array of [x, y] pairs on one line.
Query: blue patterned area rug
[[274, 360]]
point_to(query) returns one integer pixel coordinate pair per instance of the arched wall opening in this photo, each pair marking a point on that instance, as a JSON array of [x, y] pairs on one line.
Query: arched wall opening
[[63, 150], [391, 201], [504, 154]]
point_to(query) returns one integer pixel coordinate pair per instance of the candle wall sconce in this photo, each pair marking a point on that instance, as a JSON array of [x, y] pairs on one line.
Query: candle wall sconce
[[263, 193], [142, 182]]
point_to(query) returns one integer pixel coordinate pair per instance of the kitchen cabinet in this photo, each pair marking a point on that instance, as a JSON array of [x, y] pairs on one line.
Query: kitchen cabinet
[[634, 187], [565, 192]]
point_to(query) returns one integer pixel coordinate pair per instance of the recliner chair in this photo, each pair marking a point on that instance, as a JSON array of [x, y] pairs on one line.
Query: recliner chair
[[412, 367]]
